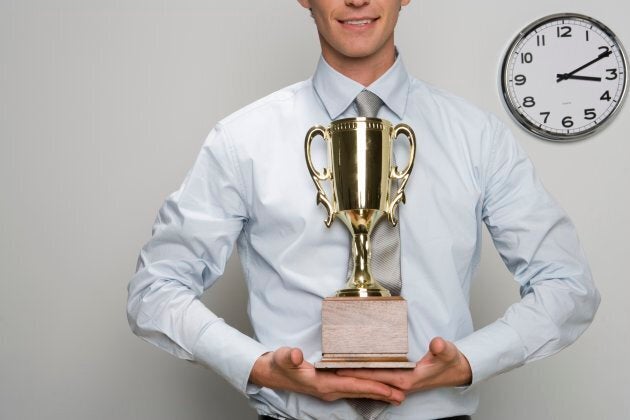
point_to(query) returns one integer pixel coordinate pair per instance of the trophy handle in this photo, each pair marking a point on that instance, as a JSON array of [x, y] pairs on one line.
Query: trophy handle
[[402, 176], [318, 176]]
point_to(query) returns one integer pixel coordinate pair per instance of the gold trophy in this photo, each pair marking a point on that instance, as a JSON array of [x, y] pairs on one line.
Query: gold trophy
[[363, 325]]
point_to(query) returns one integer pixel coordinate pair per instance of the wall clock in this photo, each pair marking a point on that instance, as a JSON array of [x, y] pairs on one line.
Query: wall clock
[[564, 77]]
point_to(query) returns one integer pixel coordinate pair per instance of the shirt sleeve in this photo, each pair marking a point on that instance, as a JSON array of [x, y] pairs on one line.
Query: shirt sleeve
[[539, 245], [192, 239]]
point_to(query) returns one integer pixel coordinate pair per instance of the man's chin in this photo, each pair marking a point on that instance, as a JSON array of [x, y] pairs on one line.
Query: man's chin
[[357, 48], [358, 52]]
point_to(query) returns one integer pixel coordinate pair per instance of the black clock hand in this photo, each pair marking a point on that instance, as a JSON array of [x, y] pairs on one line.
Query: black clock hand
[[566, 76]]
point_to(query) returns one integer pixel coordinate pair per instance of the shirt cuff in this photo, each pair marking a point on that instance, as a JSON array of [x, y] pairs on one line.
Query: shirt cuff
[[229, 353], [494, 349]]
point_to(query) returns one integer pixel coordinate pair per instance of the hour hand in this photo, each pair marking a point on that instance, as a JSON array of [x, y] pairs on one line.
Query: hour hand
[[565, 76], [570, 75]]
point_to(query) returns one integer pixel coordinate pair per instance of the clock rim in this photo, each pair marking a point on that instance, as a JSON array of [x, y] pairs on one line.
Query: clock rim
[[522, 121]]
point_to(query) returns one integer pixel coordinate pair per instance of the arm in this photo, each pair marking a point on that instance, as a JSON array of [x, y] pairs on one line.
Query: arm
[[539, 245], [192, 239]]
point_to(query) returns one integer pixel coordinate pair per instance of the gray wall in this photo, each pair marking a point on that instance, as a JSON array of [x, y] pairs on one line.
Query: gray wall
[[103, 107]]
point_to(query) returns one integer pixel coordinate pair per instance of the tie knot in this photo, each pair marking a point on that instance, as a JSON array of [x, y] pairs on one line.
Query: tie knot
[[368, 104]]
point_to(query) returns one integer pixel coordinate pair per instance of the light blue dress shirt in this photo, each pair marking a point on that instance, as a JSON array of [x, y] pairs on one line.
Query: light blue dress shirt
[[250, 186]]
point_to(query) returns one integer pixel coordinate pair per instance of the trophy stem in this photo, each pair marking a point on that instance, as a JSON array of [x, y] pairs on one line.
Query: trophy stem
[[361, 254], [361, 282]]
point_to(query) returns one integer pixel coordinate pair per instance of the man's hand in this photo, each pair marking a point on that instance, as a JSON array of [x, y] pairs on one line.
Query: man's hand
[[286, 369], [443, 365]]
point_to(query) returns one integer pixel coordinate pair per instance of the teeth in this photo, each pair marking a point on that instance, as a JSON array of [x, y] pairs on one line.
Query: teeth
[[358, 22]]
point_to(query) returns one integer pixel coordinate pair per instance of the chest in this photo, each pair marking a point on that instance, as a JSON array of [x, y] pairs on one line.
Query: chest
[[443, 195]]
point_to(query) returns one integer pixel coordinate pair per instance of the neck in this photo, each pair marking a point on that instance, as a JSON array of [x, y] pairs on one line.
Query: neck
[[364, 70]]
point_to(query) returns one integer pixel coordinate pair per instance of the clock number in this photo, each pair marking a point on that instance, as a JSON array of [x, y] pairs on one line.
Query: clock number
[[520, 79], [564, 31], [587, 40], [589, 114], [529, 102], [527, 58], [567, 122], [613, 74], [540, 40], [605, 96], [546, 114]]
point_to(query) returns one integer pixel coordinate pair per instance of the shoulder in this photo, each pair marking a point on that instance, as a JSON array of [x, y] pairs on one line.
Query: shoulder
[[456, 119], [270, 106], [440, 102]]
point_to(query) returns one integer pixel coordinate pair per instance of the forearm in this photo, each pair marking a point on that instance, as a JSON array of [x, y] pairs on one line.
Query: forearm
[[166, 312], [552, 315]]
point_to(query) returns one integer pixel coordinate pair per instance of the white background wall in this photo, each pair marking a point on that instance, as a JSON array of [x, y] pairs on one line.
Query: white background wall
[[103, 108]]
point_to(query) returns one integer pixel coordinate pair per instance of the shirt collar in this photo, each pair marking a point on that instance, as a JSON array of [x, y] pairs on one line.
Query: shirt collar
[[337, 92]]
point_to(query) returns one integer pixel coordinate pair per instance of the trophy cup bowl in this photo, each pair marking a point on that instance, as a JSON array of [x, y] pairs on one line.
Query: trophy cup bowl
[[361, 175]]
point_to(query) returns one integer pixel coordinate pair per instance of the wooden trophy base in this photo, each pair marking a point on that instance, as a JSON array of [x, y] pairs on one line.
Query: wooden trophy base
[[364, 332]]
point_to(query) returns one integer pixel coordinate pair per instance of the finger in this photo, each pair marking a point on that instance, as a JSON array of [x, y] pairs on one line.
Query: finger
[[349, 387], [402, 379], [365, 388], [382, 392], [388, 376]]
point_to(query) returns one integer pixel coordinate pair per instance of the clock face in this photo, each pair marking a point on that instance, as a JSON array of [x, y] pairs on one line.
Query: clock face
[[564, 76]]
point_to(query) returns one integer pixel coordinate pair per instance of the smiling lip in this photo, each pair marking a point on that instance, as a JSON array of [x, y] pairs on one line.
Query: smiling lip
[[358, 22]]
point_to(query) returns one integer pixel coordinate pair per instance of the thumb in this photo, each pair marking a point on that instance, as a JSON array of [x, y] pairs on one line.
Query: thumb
[[443, 349], [296, 357], [287, 357]]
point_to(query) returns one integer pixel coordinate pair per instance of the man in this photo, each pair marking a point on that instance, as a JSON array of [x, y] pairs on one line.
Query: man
[[250, 186]]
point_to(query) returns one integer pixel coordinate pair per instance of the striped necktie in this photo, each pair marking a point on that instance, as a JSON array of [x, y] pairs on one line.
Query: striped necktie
[[385, 237], [385, 255]]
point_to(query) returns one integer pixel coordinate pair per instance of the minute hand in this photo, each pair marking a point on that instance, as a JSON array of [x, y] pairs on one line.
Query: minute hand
[[566, 76]]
